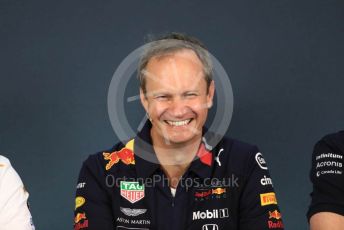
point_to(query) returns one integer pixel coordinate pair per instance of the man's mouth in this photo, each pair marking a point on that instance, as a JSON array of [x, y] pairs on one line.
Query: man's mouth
[[179, 123]]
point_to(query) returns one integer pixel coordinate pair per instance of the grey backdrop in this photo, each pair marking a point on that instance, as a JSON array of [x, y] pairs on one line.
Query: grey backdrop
[[285, 60]]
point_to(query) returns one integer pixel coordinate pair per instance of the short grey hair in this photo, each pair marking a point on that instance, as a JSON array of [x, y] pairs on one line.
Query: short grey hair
[[170, 44]]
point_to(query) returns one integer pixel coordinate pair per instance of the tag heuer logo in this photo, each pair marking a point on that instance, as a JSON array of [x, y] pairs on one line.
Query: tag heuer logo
[[132, 191]]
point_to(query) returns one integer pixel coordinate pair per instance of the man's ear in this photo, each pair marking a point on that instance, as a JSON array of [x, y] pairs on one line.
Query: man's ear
[[211, 92], [144, 100]]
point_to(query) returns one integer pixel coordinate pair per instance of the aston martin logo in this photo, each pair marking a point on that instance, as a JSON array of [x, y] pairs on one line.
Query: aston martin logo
[[132, 212]]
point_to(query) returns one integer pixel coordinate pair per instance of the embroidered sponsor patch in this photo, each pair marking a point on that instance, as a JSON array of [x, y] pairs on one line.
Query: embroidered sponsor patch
[[132, 212], [79, 217], [132, 191], [261, 161], [82, 225], [275, 215], [125, 155], [210, 193], [268, 198], [79, 201]]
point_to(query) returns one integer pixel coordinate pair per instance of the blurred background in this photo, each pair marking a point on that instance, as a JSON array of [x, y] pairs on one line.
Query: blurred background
[[57, 58]]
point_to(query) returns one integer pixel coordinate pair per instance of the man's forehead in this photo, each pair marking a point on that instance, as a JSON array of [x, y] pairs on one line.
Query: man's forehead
[[176, 88]]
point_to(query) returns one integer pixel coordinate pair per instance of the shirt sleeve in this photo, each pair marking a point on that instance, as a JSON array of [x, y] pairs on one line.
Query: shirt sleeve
[[14, 211], [259, 209], [92, 203], [327, 178]]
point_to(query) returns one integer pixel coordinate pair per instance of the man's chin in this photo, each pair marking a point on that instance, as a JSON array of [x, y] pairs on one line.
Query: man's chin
[[179, 139]]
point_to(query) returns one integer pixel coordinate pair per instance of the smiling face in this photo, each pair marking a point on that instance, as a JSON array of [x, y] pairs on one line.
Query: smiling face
[[176, 99]]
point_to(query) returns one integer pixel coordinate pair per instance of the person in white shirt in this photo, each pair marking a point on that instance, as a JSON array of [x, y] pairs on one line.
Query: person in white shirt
[[14, 211]]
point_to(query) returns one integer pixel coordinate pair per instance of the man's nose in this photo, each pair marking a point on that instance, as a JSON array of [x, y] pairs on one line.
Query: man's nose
[[178, 107]]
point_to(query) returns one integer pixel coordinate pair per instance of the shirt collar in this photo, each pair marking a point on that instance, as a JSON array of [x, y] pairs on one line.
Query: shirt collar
[[147, 163]]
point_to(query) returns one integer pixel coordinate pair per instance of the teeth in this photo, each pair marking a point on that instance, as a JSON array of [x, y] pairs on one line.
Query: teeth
[[179, 123]]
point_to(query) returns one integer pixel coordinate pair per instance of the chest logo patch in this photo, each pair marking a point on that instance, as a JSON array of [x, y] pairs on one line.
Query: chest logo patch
[[132, 191], [125, 155], [210, 193], [132, 212]]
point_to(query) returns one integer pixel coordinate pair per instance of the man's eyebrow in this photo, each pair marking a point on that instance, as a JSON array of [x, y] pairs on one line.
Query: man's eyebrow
[[160, 93], [191, 91]]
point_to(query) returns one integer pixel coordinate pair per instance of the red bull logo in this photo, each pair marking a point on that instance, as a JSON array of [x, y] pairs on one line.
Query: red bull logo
[[79, 226], [219, 191], [126, 155], [275, 214], [203, 194], [79, 217], [275, 225]]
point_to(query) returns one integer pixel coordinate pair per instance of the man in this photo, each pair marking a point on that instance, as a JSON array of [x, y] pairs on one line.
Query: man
[[169, 176], [326, 211], [14, 211]]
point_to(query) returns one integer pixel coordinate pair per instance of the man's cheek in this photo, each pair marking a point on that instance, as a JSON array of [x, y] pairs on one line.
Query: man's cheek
[[200, 104], [200, 108], [157, 112]]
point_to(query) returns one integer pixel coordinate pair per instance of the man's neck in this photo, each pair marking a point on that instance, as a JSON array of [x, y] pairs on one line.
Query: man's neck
[[175, 158]]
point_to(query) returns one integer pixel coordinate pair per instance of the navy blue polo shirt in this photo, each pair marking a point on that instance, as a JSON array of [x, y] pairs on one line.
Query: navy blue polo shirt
[[327, 175], [227, 186]]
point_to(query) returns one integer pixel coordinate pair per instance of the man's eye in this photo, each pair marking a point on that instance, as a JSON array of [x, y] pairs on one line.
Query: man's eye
[[161, 97], [191, 95]]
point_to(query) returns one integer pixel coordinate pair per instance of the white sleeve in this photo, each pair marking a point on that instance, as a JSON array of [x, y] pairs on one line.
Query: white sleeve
[[14, 211]]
